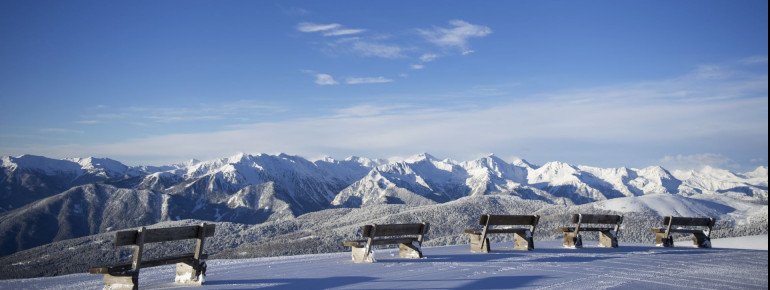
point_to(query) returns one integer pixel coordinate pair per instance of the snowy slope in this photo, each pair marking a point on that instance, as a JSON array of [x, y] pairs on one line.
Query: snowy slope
[[632, 266], [709, 180], [758, 242]]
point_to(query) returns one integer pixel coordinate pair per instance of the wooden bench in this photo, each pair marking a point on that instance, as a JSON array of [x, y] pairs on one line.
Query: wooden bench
[[608, 227], [522, 237], [701, 237], [190, 268], [409, 238]]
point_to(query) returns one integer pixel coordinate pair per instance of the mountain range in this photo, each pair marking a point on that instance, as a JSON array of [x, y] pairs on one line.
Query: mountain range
[[43, 200]]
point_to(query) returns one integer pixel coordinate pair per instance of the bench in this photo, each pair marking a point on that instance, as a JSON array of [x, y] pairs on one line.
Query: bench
[[701, 237], [522, 237], [190, 268], [608, 227], [408, 237]]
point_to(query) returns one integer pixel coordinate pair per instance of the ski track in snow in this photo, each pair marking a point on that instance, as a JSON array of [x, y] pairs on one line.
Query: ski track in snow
[[549, 266]]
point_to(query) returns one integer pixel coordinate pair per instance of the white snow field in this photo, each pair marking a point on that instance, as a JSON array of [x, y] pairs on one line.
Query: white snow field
[[758, 242], [549, 266]]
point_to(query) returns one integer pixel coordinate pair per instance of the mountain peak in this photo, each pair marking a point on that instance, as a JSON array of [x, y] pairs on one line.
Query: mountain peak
[[327, 158], [759, 172], [521, 162], [101, 164], [48, 165], [420, 157], [238, 157]]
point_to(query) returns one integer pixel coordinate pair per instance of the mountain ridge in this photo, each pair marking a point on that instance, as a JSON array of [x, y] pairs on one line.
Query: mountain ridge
[[253, 189]]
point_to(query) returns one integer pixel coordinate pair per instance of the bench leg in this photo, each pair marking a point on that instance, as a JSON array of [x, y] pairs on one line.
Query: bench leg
[[572, 241], [661, 240], [523, 241], [477, 245], [607, 239], [360, 255], [700, 240], [190, 274], [409, 251], [116, 282]]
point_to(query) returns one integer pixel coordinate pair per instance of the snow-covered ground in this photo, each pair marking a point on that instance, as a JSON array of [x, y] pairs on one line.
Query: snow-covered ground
[[454, 267], [758, 242]]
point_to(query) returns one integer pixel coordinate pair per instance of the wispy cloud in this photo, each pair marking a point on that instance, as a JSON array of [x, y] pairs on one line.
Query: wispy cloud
[[710, 71], [697, 161], [330, 29], [423, 59], [343, 32], [373, 49], [61, 131], [754, 60], [232, 111], [428, 57], [367, 80], [456, 35], [325, 80], [368, 110]]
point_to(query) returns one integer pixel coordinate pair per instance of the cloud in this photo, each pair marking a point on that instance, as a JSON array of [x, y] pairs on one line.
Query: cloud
[[428, 57], [87, 122], [754, 60], [456, 35], [365, 110], [330, 29], [372, 49], [232, 111], [424, 58], [61, 131], [710, 71], [697, 161], [367, 80], [325, 80], [315, 27], [343, 32]]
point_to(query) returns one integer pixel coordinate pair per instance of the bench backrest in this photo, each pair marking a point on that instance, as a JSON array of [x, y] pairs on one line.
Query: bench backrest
[[688, 221], [389, 230], [509, 220], [138, 238], [670, 221], [610, 219], [129, 237], [596, 219]]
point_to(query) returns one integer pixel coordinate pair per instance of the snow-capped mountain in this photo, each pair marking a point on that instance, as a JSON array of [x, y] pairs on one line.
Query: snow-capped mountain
[[84, 196]]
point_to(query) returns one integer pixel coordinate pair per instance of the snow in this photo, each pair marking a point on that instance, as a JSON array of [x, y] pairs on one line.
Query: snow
[[43, 164], [758, 242], [664, 205], [454, 267]]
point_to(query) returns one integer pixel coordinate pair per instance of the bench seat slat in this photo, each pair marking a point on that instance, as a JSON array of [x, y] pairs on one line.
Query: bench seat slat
[[472, 231], [689, 231], [361, 243], [506, 231], [587, 229], [496, 231], [145, 264]]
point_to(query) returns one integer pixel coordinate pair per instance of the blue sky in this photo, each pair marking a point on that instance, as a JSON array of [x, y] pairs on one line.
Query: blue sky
[[605, 83]]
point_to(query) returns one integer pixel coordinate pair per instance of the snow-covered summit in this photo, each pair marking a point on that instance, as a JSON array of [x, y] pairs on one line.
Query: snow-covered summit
[[43, 164]]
